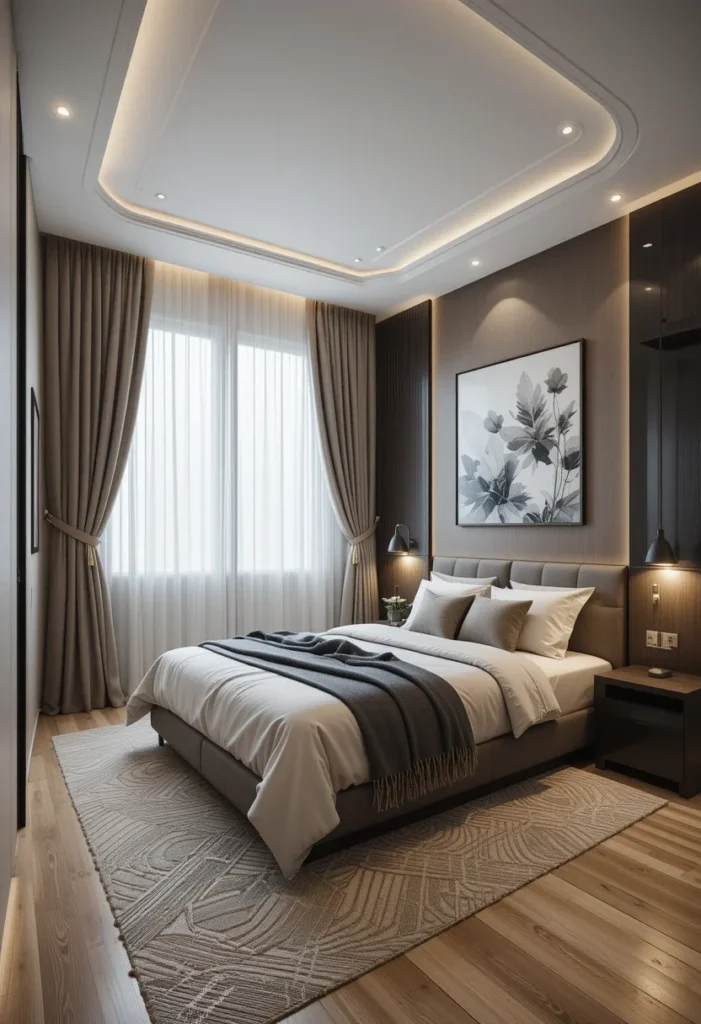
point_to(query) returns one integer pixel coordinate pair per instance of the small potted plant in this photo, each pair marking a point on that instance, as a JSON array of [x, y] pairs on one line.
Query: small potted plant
[[396, 608]]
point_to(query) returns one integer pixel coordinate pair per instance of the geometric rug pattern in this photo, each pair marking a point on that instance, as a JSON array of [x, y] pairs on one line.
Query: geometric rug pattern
[[214, 932]]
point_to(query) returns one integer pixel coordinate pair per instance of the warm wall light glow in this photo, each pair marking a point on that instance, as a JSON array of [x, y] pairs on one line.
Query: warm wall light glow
[[648, 288], [62, 110], [616, 197]]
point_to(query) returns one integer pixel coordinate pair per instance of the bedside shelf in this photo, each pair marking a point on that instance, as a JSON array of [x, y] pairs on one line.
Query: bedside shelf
[[650, 726]]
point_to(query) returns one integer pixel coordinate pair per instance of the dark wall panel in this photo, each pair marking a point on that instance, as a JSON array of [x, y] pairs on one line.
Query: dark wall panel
[[665, 350], [678, 611], [403, 445]]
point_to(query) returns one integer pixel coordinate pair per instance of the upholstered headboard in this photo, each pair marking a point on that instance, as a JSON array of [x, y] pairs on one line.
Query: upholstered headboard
[[602, 626]]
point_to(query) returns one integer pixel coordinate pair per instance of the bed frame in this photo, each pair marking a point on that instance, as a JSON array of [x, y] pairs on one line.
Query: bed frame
[[601, 630]]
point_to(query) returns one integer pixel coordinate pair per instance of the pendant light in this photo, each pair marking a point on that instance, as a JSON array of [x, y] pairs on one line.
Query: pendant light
[[660, 551]]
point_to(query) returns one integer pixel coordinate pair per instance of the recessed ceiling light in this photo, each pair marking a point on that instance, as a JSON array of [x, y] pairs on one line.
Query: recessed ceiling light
[[616, 197], [357, 259], [62, 110], [475, 263], [380, 248], [567, 129], [648, 288], [647, 245], [161, 195]]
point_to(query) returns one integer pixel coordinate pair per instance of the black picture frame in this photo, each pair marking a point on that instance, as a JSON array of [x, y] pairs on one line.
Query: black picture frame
[[581, 342], [34, 469]]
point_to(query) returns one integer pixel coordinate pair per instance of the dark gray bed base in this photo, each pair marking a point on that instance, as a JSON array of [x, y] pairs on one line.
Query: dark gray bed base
[[499, 760]]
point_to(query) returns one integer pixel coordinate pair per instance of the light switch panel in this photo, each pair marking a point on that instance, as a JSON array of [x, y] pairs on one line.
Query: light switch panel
[[652, 638], [670, 641]]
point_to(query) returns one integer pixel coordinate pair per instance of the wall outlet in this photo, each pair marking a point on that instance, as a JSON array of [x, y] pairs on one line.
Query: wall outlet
[[670, 641], [652, 638]]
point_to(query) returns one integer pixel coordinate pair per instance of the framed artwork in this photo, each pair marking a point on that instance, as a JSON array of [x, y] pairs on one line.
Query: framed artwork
[[34, 470], [520, 434]]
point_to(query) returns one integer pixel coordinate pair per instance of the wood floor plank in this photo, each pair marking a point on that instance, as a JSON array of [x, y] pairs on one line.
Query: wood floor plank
[[670, 905], [66, 723], [499, 983], [639, 963], [648, 853], [100, 719], [396, 993], [610, 915], [668, 837], [564, 957]]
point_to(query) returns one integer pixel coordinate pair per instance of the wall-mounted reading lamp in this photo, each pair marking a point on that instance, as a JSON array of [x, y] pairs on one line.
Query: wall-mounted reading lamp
[[401, 542]]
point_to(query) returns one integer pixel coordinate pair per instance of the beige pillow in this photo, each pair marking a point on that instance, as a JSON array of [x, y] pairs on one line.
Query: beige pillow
[[494, 623], [437, 614], [550, 619]]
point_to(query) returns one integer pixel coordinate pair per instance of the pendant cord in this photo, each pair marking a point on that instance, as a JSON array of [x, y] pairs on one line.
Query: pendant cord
[[660, 517]]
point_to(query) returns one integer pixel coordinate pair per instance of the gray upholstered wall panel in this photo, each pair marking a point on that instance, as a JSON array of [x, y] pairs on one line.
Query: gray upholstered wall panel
[[602, 625], [576, 290]]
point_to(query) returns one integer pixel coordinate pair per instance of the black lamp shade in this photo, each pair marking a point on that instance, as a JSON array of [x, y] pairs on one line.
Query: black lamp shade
[[398, 544], [661, 551]]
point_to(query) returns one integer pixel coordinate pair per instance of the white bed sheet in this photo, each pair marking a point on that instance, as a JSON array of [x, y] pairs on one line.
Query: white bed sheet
[[571, 677]]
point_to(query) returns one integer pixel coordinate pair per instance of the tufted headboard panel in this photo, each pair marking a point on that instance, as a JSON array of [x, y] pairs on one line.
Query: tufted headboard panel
[[602, 625]]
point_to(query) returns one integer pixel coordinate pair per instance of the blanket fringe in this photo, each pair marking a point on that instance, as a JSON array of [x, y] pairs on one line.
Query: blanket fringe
[[424, 777]]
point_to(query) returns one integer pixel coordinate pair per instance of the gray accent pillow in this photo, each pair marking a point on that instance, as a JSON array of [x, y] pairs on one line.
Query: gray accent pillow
[[487, 623], [437, 614]]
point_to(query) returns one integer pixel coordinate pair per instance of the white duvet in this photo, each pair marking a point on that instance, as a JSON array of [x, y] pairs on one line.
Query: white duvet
[[305, 744]]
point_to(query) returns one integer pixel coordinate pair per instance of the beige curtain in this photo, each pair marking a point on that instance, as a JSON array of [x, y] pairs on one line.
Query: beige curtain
[[342, 349], [96, 313]]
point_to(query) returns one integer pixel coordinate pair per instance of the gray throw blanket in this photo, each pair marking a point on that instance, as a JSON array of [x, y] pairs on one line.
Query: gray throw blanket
[[415, 728]]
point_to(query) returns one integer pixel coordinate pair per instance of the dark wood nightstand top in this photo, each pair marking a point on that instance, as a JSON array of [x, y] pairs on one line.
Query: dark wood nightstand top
[[680, 683]]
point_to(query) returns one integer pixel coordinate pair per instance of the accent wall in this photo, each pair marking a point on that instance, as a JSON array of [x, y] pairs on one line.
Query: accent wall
[[576, 290]]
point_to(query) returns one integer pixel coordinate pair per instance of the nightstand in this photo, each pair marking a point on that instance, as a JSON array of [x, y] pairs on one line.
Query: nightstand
[[650, 726]]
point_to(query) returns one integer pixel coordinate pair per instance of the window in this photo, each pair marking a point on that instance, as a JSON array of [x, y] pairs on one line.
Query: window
[[223, 521]]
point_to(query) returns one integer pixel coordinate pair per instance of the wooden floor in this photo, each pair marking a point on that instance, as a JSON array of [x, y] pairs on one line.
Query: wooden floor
[[614, 935]]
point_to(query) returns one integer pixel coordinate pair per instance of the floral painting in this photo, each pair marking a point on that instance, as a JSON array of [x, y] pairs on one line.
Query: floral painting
[[519, 449]]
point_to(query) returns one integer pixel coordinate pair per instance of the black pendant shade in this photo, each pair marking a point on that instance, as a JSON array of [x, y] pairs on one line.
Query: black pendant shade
[[398, 545], [660, 551]]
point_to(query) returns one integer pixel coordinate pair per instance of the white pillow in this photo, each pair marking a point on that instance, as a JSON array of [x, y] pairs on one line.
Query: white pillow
[[455, 589], [551, 617], [539, 586], [485, 581]]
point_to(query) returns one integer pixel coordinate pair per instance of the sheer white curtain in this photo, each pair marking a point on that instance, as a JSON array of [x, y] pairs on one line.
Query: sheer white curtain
[[223, 522]]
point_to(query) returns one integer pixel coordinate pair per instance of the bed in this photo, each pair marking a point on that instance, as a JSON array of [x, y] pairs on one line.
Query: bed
[[292, 760]]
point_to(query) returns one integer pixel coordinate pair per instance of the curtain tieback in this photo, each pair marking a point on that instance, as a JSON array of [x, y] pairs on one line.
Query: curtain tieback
[[83, 538], [355, 542]]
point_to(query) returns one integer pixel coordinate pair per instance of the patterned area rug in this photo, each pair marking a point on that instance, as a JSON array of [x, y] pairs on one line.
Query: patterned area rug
[[214, 932]]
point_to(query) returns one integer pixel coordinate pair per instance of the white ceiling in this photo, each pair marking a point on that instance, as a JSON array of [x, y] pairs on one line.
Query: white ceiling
[[291, 136]]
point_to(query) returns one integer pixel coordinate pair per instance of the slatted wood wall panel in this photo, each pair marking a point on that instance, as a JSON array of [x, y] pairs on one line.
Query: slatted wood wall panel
[[679, 611], [404, 445]]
